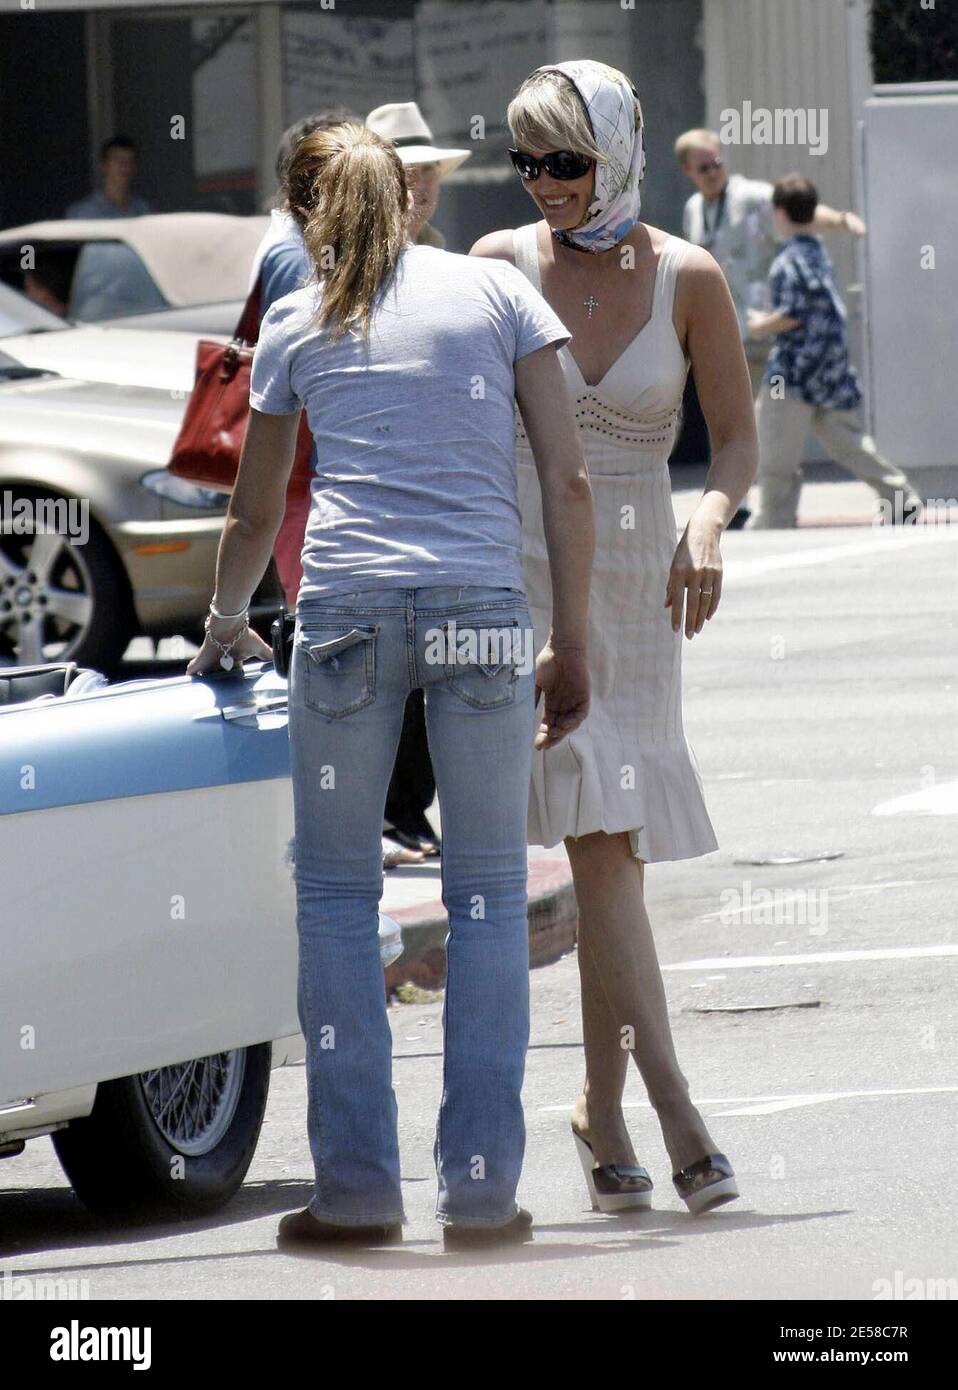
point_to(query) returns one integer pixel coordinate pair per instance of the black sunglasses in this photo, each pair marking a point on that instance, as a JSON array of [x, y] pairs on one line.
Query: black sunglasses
[[558, 164]]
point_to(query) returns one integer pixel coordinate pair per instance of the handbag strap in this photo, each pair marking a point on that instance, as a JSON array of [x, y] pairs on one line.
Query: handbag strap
[[247, 330]]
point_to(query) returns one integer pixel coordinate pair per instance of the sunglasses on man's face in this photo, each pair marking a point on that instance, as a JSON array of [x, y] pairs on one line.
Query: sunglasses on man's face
[[559, 164], [715, 163]]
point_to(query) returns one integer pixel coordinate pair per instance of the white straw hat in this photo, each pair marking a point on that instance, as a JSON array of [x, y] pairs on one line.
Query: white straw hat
[[401, 123]]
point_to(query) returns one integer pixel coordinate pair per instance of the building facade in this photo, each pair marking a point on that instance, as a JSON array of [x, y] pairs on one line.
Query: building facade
[[206, 89]]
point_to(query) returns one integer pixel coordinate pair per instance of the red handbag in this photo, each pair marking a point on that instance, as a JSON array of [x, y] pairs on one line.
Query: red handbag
[[207, 448]]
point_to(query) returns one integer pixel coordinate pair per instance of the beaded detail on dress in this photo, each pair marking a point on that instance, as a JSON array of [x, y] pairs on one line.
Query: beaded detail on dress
[[598, 415]]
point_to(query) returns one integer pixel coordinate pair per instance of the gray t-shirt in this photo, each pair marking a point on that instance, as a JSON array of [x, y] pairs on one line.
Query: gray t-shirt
[[414, 431]]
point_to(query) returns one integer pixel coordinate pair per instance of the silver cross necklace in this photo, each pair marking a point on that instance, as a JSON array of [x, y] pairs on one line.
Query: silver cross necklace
[[590, 303]]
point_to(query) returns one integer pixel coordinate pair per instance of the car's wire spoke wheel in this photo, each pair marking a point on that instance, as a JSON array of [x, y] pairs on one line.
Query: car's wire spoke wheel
[[46, 598], [193, 1103]]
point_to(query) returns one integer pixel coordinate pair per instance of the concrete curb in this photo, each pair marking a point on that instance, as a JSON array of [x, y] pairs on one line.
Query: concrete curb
[[553, 917]]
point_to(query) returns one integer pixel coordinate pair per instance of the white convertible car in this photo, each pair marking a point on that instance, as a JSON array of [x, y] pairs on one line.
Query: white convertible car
[[147, 921]]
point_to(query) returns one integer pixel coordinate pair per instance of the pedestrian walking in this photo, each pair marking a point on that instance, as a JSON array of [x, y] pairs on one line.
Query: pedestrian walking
[[731, 217], [809, 382], [412, 578]]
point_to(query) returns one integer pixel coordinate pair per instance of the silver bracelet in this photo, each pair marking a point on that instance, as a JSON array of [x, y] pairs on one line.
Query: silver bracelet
[[227, 660], [228, 617]]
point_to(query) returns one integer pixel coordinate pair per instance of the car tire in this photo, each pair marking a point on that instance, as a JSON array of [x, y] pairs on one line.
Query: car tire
[[123, 1163], [93, 568], [114, 623]]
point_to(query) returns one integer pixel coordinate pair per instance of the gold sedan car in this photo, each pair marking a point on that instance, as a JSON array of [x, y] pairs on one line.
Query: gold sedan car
[[98, 542]]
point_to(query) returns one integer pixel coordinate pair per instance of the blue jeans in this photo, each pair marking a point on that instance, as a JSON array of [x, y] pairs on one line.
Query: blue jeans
[[355, 659]]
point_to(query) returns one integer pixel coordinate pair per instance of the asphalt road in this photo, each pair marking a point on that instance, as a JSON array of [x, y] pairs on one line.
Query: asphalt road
[[816, 1024]]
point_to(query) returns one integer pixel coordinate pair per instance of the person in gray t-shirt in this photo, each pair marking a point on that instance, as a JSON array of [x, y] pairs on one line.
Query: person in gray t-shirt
[[428, 441], [409, 361]]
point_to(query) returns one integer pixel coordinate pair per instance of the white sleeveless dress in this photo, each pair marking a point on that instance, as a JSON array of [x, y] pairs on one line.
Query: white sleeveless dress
[[628, 766]]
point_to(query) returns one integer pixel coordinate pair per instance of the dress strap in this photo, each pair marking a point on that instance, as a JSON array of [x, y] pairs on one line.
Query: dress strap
[[526, 253], [670, 260]]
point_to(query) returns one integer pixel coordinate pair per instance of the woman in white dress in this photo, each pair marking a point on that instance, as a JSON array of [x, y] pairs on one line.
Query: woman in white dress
[[624, 790]]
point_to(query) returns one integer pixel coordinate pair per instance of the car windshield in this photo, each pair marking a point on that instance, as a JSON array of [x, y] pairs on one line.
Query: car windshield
[[18, 314], [110, 281]]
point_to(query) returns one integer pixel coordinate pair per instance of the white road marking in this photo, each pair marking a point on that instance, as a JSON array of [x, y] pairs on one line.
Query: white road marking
[[773, 1107], [768, 1105], [930, 801], [818, 958], [886, 540], [786, 898]]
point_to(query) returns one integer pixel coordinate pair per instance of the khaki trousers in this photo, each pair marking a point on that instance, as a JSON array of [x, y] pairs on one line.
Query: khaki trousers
[[757, 361], [782, 428]]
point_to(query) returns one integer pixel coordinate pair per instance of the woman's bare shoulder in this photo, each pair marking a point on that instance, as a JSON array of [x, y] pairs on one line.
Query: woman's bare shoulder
[[496, 245], [643, 233], [698, 264]]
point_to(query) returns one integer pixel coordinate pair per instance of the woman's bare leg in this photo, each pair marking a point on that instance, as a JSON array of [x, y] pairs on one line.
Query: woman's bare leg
[[598, 1111], [622, 990]]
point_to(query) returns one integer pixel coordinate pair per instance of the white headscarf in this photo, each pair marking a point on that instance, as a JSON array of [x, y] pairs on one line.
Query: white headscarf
[[612, 106]]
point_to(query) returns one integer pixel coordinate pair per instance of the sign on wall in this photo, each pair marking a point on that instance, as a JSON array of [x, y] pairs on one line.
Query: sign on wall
[[471, 56], [335, 59]]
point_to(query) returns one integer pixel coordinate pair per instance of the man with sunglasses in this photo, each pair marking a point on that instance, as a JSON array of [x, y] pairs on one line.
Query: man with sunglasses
[[731, 216]]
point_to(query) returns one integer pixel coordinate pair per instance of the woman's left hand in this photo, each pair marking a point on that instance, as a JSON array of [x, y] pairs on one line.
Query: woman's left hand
[[208, 657], [696, 571]]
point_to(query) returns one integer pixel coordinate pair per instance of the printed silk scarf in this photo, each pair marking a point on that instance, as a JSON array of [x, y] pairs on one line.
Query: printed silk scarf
[[610, 101]]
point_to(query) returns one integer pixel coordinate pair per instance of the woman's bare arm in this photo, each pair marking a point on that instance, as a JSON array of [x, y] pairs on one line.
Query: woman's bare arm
[[562, 671], [498, 245], [710, 329], [714, 347], [256, 508], [255, 513], [567, 514]]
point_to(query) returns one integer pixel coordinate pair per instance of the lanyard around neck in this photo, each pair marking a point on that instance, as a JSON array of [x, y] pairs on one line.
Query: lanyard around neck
[[710, 233]]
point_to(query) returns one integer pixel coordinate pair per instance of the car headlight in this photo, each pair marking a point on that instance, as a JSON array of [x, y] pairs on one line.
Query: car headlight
[[174, 489]]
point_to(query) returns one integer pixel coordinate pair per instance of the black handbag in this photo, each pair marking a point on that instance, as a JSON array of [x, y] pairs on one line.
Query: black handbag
[[281, 634]]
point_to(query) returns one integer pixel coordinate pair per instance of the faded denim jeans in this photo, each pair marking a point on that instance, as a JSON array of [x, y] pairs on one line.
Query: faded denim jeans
[[355, 659]]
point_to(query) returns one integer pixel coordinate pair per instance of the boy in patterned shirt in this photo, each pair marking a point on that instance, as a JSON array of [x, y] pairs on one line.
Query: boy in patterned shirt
[[809, 382]]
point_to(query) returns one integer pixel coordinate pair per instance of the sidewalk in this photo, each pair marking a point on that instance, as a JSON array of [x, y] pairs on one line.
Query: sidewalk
[[412, 896], [829, 497]]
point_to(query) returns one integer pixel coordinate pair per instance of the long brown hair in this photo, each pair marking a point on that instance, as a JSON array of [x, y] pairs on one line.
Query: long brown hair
[[347, 190]]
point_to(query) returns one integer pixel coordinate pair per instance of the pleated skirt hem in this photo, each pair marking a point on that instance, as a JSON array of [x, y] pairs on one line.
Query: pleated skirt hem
[[653, 791]]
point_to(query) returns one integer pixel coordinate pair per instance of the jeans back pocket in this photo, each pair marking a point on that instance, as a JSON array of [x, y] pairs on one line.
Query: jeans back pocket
[[483, 661], [339, 668]]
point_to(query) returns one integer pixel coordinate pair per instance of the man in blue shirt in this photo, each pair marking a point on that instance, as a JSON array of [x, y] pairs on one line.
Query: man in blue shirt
[[118, 167], [809, 382]]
